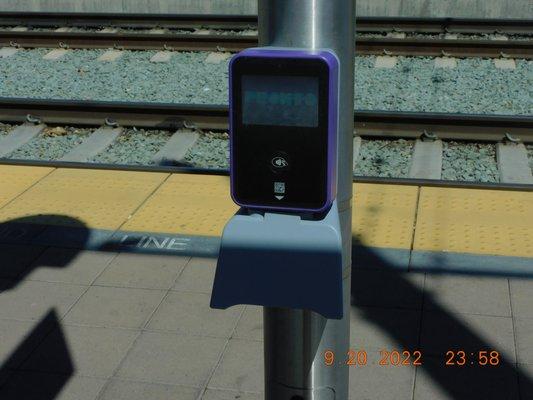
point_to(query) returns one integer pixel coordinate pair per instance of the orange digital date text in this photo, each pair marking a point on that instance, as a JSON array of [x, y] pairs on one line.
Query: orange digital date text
[[359, 358]]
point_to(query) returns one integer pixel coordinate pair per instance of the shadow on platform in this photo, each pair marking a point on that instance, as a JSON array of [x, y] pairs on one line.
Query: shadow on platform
[[17, 261], [468, 382], [443, 332]]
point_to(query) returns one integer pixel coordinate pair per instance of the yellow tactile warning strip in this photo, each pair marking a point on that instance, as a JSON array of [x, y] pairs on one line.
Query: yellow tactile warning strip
[[475, 221], [186, 204], [16, 179], [490, 222], [99, 199], [384, 215]]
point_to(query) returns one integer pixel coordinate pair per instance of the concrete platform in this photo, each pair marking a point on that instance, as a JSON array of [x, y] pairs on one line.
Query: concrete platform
[[105, 280]]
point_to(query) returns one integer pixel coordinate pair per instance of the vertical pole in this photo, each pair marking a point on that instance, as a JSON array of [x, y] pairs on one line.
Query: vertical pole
[[295, 340]]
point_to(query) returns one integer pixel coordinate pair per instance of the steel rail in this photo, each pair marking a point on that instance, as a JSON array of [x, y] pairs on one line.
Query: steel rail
[[382, 124], [234, 43], [194, 21], [225, 172]]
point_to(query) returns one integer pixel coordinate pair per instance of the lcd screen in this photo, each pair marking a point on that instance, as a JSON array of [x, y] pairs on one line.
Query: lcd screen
[[280, 100]]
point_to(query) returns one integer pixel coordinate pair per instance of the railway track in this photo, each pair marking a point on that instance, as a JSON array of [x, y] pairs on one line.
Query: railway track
[[377, 125], [418, 46], [236, 22]]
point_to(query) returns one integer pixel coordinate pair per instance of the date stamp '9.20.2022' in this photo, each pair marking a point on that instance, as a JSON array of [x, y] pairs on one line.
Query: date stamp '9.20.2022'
[[395, 358]]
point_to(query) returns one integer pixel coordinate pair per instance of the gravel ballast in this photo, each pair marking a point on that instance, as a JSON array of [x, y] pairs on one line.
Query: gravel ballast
[[5, 129], [134, 146], [52, 144], [469, 162], [414, 84], [384, 158], [210, 151]]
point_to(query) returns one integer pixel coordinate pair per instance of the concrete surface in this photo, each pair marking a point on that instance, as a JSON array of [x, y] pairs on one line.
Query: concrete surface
[[88, 325], [409, 8]]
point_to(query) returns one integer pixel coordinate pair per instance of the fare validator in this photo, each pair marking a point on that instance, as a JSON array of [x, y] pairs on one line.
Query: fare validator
[[283, 129], [284, 246]]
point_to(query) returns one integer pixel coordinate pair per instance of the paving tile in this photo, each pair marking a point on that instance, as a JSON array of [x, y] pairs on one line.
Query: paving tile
[[525, 380], [130, 390], [5, 376], [436, 381], [374, 381], [170, 358], [69, 266], [381, 328], [143, 271], [189, 313], [197, 276], [15, 260], [212, 394], [39, 386], [387, 289], [250, 326], [241, 367], [468, 294], [522, 300], [442, 332], [31, 300], [115, 307], [13, 347], [90, 351], [524, 339], [6, 283]]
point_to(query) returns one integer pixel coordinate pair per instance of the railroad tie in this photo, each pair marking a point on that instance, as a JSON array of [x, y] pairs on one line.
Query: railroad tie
[[6, 52], [445, 62], [385, 62], [18, 137], [356, 150], [426, 162], [513, 163], [110, 56], [174, 151], [505, 63], [55, 54], [161, 56], [97, 142]]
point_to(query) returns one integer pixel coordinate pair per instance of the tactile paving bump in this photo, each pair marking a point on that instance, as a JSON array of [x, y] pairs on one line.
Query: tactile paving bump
[[186, 204], [16, 179], [490, 222], [100, 199], [384, 215]]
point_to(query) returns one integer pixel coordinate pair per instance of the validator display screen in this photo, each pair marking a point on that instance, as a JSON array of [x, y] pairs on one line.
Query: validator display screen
[[280, 100]]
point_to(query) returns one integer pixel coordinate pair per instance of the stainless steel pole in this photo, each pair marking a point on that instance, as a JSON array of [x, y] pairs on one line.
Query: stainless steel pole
[[296, 340]]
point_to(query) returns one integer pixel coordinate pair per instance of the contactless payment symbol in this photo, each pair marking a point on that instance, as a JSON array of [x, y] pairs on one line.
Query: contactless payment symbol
[[279, 162]]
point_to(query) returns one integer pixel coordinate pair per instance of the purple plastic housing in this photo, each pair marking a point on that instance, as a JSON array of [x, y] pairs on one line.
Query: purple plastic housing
[[331, 60]]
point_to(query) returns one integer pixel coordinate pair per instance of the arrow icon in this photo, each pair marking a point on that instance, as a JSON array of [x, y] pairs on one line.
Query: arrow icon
[[279, 197]]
